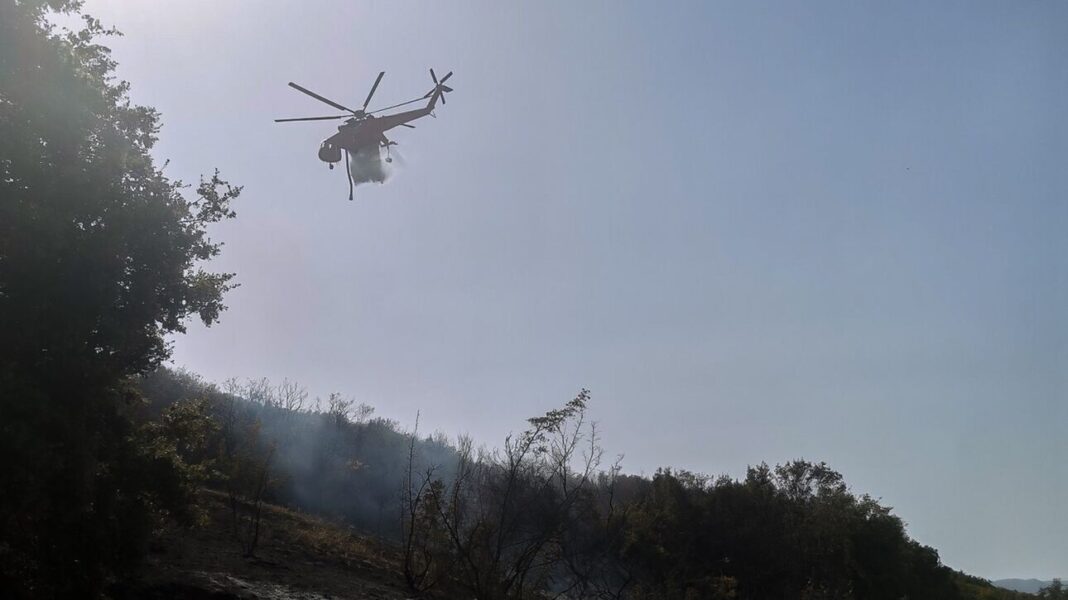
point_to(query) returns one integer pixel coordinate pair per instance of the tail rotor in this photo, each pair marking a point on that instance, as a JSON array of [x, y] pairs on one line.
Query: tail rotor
[[439, 90]]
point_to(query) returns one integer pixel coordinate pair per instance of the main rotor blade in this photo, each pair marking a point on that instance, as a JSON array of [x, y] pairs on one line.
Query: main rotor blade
[[320, 98], [312, 119], [378, 110], [433, 76], [373, 88], [446, 77]]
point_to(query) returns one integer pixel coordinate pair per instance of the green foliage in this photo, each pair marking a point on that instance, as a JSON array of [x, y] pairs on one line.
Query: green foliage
[[176, 445], [794, 531], [100, 258], [974, 588]]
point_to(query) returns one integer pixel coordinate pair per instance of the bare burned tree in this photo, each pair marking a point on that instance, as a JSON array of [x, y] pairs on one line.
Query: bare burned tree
[[291, 396], [246, 460], [420, 527], [249, 510], [504, 514], [594, 541], [260, 391]]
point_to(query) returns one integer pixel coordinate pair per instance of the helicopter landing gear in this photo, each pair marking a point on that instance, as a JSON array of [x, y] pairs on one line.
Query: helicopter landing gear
[[331, 165]]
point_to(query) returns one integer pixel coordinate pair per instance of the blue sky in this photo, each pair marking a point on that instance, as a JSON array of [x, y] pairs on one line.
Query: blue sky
[[755, 231]]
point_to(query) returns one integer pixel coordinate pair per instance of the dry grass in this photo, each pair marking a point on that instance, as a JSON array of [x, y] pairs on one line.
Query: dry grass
[[297, 552]]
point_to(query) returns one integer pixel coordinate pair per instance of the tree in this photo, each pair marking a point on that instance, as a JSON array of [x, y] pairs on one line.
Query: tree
[[1054, 591], [248, 477], [100, 258], [422, 535], [500, 523]]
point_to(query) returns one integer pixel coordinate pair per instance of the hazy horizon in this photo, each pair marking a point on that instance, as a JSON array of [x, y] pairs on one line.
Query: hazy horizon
[[831, 231]]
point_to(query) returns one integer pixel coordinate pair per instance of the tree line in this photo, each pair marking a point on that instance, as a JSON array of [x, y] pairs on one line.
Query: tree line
[[543, 514]]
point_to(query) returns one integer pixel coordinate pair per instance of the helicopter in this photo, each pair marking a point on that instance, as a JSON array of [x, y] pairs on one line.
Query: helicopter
[[362, 135]]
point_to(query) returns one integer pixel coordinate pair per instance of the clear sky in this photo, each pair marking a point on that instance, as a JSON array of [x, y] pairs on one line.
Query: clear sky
[[755, 231]]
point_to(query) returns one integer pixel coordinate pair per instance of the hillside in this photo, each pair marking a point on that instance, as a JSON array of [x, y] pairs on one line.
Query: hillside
[[1030, 586], [299, 557], [783, 529]]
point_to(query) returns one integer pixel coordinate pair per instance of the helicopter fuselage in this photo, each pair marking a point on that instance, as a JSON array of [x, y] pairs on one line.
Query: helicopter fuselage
[[368, 132]]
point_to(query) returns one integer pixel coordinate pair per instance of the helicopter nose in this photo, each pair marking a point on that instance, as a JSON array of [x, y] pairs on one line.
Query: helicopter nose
[[329, 153]]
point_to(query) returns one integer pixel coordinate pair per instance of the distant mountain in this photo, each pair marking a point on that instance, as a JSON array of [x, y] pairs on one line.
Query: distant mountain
[[1031, 586]]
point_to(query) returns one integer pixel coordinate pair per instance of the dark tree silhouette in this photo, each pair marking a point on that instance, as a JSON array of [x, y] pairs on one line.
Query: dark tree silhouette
[[99, 260], [1054, 591]]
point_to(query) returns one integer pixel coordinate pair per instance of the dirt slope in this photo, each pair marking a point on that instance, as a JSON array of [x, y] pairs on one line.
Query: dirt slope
[[298, 558]]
